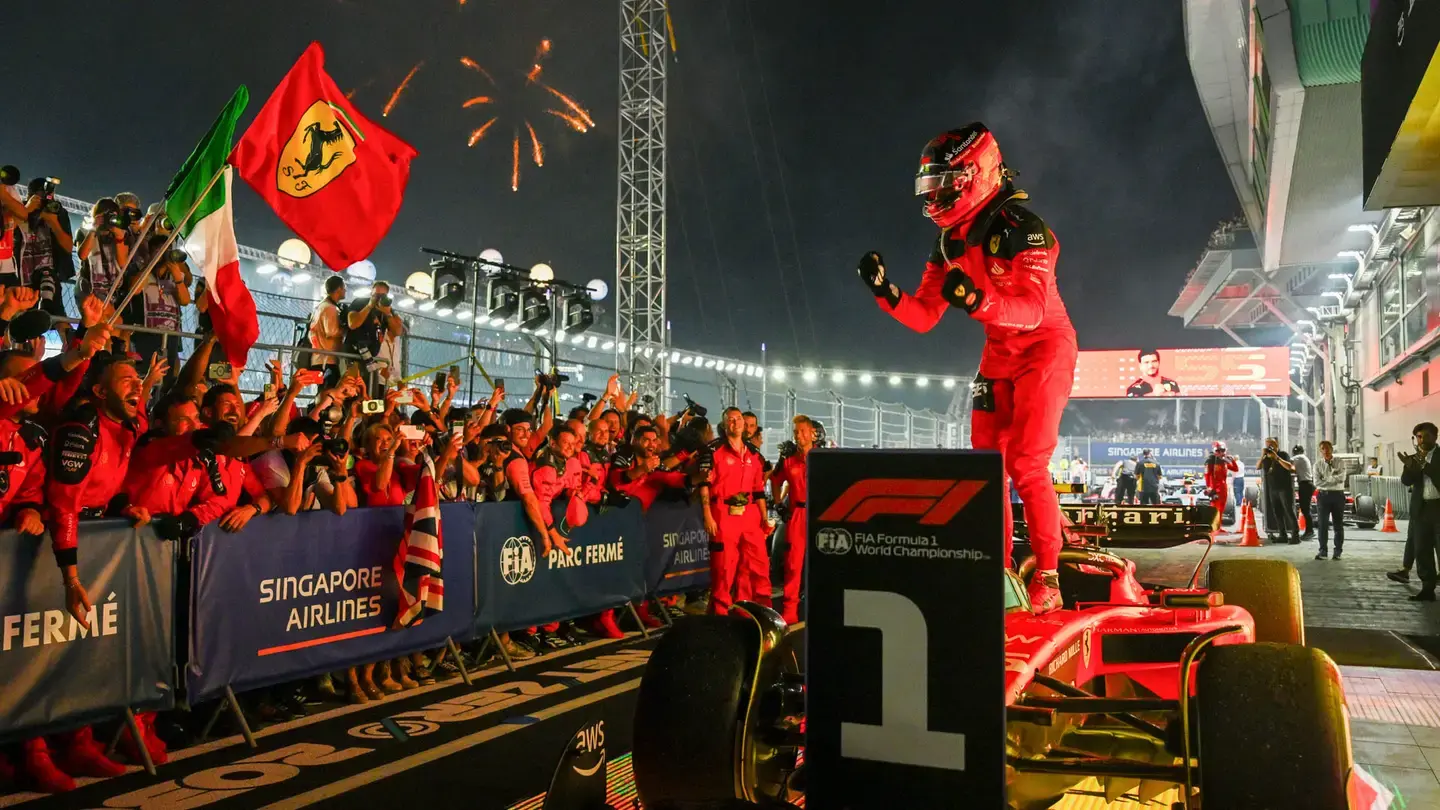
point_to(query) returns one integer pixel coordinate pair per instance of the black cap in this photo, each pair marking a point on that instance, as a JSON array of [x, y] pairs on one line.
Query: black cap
[[493, 431], [29, 325]]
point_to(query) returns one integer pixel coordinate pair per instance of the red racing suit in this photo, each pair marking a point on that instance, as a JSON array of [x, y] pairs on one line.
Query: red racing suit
[[1027, 368], [791, 470], [172, 476], [739, 559], [648, 487], [50, 383], [553, 476], [89, 459], [1217, 479], [22, 485]]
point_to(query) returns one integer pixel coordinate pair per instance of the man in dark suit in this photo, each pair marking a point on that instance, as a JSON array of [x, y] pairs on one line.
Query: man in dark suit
[[1422, 474]]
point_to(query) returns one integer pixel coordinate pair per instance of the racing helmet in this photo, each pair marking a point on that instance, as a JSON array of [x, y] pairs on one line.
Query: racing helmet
[[960, 170], [1219, 447]]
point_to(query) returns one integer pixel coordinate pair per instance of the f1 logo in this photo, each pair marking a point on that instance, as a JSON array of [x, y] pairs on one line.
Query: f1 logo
[[936, 501]]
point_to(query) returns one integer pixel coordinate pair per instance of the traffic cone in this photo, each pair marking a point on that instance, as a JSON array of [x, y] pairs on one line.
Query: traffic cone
[[1300, 521], [1251, 536], [1389, 524]]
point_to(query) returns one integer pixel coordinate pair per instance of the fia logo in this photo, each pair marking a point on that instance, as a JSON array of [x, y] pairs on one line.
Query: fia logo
[[833, 541], [517, 560]]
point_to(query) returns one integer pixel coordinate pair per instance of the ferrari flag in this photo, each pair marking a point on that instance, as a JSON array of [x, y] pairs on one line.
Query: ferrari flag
[[335, 177], [198, 200]]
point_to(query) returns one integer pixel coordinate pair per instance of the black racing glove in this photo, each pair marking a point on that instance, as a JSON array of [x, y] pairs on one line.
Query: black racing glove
[[961, 291], [175, 527], [872, 272], [788, 449]]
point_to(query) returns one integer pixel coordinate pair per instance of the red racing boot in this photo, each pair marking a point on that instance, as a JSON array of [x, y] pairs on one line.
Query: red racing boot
[[159, 752], [605, 626], [1044, 590], [39, 771], [83, 756]]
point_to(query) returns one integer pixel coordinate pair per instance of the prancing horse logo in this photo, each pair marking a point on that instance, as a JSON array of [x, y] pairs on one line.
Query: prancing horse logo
[[320, 149]]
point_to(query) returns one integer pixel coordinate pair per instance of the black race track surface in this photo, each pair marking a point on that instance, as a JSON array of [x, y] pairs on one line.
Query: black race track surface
[[486, 746]]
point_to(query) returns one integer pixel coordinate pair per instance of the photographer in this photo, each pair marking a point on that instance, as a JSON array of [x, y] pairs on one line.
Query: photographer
[[103, 251], [304, 472], [372, 325], [157, 305], [494, 449], [46, 261], [1278, 475], [327, 331]]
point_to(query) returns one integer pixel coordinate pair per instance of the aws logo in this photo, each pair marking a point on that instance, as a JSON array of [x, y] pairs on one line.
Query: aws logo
[[936, 501], [320, 150]]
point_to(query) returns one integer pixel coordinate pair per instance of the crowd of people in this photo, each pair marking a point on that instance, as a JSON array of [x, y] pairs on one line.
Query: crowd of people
[[117, 425]]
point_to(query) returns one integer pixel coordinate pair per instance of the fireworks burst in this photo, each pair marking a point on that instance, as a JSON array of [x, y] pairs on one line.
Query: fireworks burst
[[395, 96], [574, 116]]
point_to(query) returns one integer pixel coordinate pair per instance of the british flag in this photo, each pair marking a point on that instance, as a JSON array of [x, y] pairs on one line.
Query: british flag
[[418, 560]]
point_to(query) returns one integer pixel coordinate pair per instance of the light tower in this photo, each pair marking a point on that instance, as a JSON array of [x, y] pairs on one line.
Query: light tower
[[641, 337]]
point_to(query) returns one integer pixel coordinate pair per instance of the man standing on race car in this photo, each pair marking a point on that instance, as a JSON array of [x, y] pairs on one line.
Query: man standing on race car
[[996, 260], [1218, 467]]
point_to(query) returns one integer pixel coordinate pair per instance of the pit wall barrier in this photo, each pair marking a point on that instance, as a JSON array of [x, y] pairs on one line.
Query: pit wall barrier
[[57, 674]]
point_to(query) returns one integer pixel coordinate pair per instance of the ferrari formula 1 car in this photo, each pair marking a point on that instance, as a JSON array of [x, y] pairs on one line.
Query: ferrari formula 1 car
[[1205, 696]]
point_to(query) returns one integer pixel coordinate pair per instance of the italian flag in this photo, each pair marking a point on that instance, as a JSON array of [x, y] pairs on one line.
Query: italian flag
[[198, 202]]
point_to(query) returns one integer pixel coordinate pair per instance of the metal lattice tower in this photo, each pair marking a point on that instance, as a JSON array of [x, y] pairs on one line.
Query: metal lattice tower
[[640, 207]]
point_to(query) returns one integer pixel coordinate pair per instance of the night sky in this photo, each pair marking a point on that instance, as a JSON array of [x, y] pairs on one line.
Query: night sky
[[794, 133]]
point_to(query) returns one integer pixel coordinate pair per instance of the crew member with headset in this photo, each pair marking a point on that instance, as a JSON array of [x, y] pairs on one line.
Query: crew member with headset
[[1150, 475], [735, 519]]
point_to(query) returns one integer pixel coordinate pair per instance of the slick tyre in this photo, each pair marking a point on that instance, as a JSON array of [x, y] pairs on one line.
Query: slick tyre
[[1366, 513], [1269, 590], [1252, 497], [688, 712], [1271, 730]]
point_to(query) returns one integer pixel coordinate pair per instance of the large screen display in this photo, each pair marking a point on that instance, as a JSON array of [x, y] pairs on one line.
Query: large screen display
[[1131, 373]]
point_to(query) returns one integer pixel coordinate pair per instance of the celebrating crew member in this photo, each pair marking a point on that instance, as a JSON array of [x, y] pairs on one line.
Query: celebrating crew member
[[996, 260], [735, 519], [1150, 381], [790, 475], [1218, 467]]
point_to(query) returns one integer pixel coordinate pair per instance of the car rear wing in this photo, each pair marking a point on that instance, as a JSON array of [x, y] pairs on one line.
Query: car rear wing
[[1113, 526]]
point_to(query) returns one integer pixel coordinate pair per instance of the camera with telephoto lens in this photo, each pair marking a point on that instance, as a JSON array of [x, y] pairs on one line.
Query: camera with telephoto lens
[[551, 380], [694, 408], [177, 256], [335, 446], [382, 300]]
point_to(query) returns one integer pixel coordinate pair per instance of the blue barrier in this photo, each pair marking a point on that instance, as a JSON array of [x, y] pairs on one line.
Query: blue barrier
[[677, 553], [290, 597], [520, 588], [53, 671]]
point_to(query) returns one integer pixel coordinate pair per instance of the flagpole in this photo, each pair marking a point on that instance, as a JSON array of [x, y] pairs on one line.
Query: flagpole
[[170, 240]]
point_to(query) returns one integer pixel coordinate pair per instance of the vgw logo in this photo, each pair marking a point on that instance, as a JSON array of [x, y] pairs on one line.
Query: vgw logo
[[937, 502], [517, 560]]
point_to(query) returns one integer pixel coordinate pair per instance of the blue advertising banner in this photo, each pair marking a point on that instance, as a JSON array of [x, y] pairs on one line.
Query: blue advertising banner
[[1103, 455], [520, 588], [677, 548], [289, 597], [56, 671]]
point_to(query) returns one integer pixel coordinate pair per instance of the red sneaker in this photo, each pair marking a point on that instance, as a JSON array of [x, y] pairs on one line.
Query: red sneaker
[[606, 627], [646, 618], [1044, 592], [82, 756]]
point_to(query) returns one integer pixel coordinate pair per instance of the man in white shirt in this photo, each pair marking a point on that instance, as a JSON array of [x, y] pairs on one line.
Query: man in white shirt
[[1237, 480], [1422, 475], [1330, 499]]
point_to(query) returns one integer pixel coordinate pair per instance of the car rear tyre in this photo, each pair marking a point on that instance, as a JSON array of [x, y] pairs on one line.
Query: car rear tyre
[[1269, 590], [687, 714], [1252, 497], [1271, 729]]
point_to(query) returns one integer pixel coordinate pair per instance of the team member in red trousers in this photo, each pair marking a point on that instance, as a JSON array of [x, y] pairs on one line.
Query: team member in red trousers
[[789, 479], [735, 519]]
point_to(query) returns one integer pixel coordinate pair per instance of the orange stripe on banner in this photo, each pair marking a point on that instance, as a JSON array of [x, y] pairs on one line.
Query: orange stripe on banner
[[316, 642], [687, 573]]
